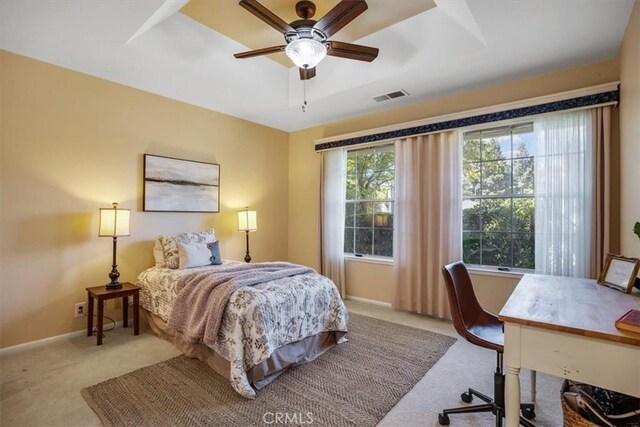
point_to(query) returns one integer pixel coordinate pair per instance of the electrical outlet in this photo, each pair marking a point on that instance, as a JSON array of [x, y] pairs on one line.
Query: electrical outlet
[[79, 309], [117, 304]]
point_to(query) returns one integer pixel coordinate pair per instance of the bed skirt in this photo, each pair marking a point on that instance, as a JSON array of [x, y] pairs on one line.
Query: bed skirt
[[259, 376]]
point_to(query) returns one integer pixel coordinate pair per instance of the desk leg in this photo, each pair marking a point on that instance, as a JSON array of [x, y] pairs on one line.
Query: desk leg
[[136, 313], [512, 362], [512, 398], [125, 311], [100, 320], [90, 315]]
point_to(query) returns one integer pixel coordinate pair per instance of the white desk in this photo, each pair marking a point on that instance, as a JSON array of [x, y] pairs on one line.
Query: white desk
[[566, 327]]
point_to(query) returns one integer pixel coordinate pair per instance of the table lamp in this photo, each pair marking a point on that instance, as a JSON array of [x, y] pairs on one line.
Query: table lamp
[[114, 222], [247, 221]]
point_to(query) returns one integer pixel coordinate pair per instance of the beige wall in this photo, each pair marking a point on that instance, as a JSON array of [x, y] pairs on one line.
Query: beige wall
[[70, 144], [304, 172], [630, 135]]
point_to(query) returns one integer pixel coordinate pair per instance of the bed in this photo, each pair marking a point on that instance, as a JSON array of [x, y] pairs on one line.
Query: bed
[[266, 328]]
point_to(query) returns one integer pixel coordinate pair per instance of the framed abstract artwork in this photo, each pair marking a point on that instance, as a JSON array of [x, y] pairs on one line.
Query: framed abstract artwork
[[176, 185]]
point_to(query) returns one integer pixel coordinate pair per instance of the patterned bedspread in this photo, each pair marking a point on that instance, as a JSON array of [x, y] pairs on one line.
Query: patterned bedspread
[[258, 319]]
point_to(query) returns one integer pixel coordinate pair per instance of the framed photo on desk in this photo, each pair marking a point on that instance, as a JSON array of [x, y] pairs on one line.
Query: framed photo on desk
[[619, 272]]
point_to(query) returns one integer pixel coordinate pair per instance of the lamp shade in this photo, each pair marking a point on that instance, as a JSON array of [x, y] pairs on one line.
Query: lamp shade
[[247, 220], [114, 221], [306, 53]]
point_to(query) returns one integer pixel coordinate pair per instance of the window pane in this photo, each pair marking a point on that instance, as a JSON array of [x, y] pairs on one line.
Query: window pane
[[364, 160], [470, 179], [364, 241], [383, 216], [471, 248], [364, 214], [377, 185], [351, 163], [496, 249], [523, 176], [496, 177], [383, 239], [524, 251], [348, 240], [496, 214], [524, 215], [496, 147], [350, 209], [385, 158], [351, 187], [471, 215], [471, 150], [523, 144]]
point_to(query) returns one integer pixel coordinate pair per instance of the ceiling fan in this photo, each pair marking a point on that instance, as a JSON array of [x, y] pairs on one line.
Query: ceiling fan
[[306, 38]]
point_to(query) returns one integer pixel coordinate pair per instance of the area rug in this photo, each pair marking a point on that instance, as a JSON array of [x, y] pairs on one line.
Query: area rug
[[353, 384]]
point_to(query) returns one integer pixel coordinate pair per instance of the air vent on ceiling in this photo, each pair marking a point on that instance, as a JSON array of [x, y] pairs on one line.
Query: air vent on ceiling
[[391, 95]]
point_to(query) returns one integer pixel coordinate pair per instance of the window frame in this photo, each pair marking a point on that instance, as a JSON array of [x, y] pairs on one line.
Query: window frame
[[480, 133], [355, 256]]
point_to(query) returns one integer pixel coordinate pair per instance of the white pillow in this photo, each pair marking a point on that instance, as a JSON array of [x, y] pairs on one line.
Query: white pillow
[[158, 254], [171, 251], [193, 255]]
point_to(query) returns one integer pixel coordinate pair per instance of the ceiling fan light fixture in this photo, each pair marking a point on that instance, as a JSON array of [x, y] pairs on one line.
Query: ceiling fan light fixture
[[306, 52]]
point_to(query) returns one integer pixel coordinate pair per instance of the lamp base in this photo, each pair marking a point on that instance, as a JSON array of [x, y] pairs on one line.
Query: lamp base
[[115, 274]]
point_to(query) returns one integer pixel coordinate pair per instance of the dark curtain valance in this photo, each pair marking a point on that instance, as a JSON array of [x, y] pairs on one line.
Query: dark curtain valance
[[549, 107]]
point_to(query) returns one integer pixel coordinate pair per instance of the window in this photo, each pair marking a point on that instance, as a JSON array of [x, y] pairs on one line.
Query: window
[[369, 202], [498, 203]]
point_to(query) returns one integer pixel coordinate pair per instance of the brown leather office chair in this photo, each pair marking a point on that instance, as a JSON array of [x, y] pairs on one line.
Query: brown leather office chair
[[485, 330]]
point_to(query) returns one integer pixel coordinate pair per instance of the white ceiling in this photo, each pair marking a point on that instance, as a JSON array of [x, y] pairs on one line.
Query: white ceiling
[[456, 46]]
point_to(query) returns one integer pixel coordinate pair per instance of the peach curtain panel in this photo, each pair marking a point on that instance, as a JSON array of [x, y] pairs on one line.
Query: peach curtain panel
[[427, 223], [601, 219]]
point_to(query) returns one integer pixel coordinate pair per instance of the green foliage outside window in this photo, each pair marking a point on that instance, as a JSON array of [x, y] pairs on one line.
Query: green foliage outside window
[[498, 198], [369, 206]]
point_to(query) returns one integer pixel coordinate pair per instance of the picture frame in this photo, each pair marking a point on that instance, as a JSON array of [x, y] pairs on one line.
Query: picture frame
[[619, 272], [180, 185]]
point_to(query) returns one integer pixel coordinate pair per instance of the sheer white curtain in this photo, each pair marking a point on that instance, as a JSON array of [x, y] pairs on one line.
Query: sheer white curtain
[[564, 171], [332, 201], [427, 220]]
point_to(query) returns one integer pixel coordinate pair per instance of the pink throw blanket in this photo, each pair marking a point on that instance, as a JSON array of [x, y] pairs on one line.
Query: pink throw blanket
[[203, 296]]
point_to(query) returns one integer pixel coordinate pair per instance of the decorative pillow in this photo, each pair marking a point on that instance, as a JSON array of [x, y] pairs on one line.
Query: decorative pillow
[[193, 255], [171, 250], [158, 254], [214, 249]]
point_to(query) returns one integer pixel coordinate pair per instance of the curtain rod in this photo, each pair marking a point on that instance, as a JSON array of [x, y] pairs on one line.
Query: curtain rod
[[588, 97]]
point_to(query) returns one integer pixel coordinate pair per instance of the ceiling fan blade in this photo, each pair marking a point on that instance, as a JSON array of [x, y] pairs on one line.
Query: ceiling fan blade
[[258, 52], [342, 13], [266, 15], [352, 51], [307, 73]]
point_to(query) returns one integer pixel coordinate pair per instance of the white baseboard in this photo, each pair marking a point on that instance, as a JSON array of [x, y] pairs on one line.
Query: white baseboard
[[369, 301], [45, 341]]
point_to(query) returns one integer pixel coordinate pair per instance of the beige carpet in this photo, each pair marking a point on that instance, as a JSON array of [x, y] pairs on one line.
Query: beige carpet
[[356, 384]]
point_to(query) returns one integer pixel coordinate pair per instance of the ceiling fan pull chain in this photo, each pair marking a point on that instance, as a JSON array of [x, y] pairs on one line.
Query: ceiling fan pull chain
[[304, 96]]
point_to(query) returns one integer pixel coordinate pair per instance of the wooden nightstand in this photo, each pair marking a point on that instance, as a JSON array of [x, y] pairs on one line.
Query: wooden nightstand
[[101, 293]]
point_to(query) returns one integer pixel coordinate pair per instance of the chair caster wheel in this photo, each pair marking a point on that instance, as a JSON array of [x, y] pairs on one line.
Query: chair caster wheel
[[529, 414], [443, 419], [466, 397]]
